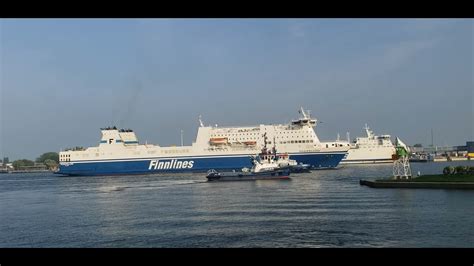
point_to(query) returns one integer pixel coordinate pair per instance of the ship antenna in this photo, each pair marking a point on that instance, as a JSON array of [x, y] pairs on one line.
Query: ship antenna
[[274, 146], [302, 112], [200, 121], [369, 132], [366, 127], [265, 141]]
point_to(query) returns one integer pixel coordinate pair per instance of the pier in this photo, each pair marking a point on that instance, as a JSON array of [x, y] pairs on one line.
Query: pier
[[405, 184]]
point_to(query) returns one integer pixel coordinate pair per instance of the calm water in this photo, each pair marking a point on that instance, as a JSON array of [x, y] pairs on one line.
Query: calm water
[[321, 209]]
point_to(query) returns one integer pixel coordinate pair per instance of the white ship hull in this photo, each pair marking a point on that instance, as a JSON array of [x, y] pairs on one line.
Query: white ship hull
[[367, 156], [370, 149]]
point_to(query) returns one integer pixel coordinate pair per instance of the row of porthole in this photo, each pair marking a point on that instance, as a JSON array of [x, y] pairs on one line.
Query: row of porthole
[[254, 139], [294, 137], [296, 141], [171, 151], [340, 145], [226, 135]]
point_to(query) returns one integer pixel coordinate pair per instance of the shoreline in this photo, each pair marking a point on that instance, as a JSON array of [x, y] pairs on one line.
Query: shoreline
[[26, 171]]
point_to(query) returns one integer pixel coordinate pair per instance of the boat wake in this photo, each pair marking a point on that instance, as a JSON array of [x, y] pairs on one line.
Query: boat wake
[[147, 186]]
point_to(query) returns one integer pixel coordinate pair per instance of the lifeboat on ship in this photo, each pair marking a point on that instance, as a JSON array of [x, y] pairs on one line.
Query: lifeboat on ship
[[218, 141]]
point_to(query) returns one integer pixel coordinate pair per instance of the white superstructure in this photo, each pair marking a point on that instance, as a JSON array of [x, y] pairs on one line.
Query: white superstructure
[[370, 149]]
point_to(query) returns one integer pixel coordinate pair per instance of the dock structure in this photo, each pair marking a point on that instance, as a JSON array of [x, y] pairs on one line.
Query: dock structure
[[410, 184], [446, 153], [401, 166]]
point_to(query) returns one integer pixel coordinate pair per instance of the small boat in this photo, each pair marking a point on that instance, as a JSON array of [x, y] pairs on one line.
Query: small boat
[[265, 165], [295, 167], [420, 158], [300, 168]]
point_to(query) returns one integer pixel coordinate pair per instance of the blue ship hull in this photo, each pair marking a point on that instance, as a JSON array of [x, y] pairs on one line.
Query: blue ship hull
[[186, 164]]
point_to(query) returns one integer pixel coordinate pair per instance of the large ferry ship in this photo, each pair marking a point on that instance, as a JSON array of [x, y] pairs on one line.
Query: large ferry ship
[[370, 149], [220, 148]]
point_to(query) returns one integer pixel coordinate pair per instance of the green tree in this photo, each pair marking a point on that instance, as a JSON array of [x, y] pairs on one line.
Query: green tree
[[460, 170], [449, 170], [51, 164], [471, 170], [22, 163], [48, 156]]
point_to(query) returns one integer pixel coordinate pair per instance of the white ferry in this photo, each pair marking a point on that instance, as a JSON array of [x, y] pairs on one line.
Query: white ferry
[[220, 148], [370, 149]]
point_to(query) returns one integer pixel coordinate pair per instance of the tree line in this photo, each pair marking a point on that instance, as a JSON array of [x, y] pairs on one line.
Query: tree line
[[49, 159]]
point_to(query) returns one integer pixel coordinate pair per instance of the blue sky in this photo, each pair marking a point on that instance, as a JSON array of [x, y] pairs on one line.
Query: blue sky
[[63, 79]]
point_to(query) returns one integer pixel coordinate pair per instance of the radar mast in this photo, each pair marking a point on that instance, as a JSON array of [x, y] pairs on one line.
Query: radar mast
[[200, 121]]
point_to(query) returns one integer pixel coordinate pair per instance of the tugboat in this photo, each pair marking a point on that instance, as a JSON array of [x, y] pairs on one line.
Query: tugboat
[[285, 162], [265, 165]]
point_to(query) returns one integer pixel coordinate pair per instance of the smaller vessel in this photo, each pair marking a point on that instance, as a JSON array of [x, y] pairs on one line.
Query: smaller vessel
[[420, 158], [300, 168], [265, 165], [284, 161], [370, 149]]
